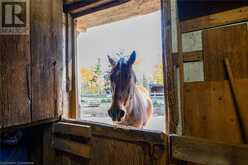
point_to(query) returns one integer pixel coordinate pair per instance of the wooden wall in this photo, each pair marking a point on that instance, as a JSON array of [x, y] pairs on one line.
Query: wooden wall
[[210, 109], [31, 67], [206, 37]]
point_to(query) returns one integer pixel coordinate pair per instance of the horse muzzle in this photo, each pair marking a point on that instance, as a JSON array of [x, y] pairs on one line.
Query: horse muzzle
[[116, 114]]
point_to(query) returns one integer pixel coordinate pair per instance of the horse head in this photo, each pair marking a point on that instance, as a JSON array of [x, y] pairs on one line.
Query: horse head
[[123, 80]]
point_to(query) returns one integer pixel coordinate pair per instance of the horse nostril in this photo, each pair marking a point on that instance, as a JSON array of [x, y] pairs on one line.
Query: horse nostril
[[122, 113], [110, 113]]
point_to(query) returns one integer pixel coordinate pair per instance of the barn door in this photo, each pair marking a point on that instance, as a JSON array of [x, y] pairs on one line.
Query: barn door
[[77, 142]]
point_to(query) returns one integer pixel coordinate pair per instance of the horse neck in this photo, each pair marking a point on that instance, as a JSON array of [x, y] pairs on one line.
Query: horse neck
[[135, 104]]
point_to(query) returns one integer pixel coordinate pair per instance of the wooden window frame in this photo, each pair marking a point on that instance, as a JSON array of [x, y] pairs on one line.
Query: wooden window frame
[[168, 69]]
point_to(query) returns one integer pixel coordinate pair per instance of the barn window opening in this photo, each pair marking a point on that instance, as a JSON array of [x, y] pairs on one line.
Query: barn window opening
[[131, 43]]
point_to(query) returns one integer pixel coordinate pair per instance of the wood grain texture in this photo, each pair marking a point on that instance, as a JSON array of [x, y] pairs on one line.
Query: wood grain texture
[[110, 146], [48, 153], [236, 99], [228, 42], [72, 129], [205, 152], [47, 52], [192, 56], [210, 111], [123, 133], [15, 76], [124, 11], [108, 151], [72, 147], [87, 6], [63, 158], [169, 70], [118, 152], [242, 90], [216, 19]]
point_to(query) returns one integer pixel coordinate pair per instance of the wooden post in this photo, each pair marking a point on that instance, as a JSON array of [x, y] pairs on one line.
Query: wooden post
[[169, 76], [74, 91]]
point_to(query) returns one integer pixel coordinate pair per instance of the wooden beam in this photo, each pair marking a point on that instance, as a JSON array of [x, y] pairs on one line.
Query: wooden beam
[[217, 19], [122, 133], [90, 6], [76, 4], [175, 59], [102, 5], [70, 1], [169, 69], [117, 13], [73, 94], [206, 152], [72, 129], [72, 147], [192, 56]]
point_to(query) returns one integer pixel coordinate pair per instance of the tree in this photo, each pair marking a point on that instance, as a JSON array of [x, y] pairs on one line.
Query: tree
[[158, 74], [91, 78], [145, 81], [107, 84], [86, 74], [97, 81]]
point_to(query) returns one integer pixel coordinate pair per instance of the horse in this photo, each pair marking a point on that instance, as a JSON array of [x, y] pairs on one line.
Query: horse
[[131, 103]]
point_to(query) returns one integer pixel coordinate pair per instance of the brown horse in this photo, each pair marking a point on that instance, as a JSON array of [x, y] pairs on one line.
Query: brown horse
[[131, 104]]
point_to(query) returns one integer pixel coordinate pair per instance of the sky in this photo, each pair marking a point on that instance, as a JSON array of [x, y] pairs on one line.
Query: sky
[[140, 33]]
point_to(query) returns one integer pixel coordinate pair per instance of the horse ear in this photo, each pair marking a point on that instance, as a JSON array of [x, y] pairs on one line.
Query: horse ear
[[132, 58], [111, 61]]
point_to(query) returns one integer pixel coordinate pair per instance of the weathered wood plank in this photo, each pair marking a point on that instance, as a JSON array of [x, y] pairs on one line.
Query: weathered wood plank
[[228, 42], [70, 5], [47, 52], [206, 152], [72, 147], [217, 19], [89, 6], [123, 133], [63, 158], [117, 13], [110, 145], [242, 89], [169, 70], [15, 80], [48, 155], [73, 112], [192, 56], [109, 151], [72, 129], [237, 100]]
